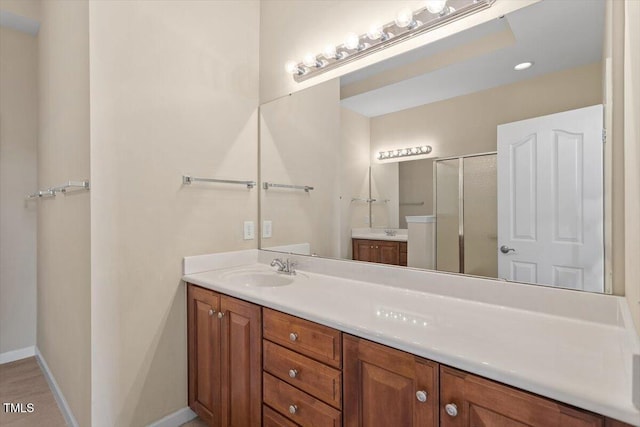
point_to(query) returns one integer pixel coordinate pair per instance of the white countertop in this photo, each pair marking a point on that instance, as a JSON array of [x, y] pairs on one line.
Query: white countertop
[[579, 355], [379, 234]]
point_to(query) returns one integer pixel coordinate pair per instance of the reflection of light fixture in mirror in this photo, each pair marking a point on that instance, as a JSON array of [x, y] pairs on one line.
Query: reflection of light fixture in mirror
[[404, 152], [523, 66], [407, 24]]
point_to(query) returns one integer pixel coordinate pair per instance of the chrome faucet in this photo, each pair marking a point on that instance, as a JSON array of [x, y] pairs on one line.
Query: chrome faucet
[[284, 267]]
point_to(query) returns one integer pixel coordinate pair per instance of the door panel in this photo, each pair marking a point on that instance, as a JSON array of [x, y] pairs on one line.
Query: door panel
[[241, 361], [388, 252], [550, 200], [204, 353], [380, 386]]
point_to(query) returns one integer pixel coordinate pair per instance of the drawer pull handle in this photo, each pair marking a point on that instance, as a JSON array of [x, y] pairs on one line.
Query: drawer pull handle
[[451, 409], [220, 315], [212, 312], [293, 409], [293, 336], [421, 395], [293, 373]]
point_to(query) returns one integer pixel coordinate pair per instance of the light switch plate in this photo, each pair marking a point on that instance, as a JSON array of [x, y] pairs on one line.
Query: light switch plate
[[267, 228], [249, 230]]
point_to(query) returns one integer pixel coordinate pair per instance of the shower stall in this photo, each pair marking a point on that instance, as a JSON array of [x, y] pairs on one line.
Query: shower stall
[[466, 200]]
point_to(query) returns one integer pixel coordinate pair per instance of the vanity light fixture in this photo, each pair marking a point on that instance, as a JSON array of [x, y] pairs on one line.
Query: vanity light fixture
[[407, 24], [404, 152], [523, 66]]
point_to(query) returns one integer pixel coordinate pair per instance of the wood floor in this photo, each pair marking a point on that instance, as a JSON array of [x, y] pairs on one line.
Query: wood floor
[[23, 382]]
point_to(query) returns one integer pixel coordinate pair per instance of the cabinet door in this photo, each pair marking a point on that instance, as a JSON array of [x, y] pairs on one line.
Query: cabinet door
[[385, 387], [364, 250], [204, 353], [481, 402], [241, 363], [389, 252]]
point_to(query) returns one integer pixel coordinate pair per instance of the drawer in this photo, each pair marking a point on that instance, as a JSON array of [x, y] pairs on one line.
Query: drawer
[[311, 339], [315, 378], [271, 418], [297, 405]]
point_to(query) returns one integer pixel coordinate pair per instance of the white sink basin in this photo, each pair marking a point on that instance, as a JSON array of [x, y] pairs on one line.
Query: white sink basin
[[257, 278]]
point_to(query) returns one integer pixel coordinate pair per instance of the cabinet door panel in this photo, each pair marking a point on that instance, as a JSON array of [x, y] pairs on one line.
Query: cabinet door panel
[[483, 402], [389, 252], [364, 250], [381, 385], [241, 362], [204, 353]]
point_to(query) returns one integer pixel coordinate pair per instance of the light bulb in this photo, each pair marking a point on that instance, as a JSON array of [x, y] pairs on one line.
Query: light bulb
[[404, 18], [310, 60], [414, 150], [523, 66], [352, 41], [375, 32], [292, 67], [436, 6], [404, 152], [329, 51]]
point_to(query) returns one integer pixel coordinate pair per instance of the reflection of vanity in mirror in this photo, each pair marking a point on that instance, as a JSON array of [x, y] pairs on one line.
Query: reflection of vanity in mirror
[[481, 154]]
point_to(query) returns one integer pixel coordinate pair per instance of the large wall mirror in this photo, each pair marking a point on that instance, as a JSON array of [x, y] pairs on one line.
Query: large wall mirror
[[478, 154]]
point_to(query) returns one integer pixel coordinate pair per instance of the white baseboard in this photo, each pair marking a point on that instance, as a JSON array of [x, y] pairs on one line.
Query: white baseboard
[[176, 419], [57, 393], [21, 353]]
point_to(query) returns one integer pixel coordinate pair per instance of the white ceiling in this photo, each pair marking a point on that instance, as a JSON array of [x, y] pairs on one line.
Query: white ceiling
[[554, 34]]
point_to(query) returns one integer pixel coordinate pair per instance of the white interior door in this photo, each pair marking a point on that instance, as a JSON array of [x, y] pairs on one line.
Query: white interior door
[[550, 200]]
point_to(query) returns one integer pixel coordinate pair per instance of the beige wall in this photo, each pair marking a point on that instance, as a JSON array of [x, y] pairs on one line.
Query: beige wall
[[300, 145], [18, 177], [416, 186], [27, 8], [291, 28], [354, 176], [64, 281], [632, 156], [170, 95]]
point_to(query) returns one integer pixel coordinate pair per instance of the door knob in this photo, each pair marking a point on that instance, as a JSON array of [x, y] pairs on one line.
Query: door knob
[[421, 395], [451, 409], [506, 249]]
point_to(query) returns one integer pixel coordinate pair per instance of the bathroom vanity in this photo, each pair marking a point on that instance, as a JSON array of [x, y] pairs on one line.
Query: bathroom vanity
[[363, 344]]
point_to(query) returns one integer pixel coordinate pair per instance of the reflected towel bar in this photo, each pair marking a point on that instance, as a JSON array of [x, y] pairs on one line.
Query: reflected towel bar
[[268, 185], [186, 180], [84, 185], [45, 193]]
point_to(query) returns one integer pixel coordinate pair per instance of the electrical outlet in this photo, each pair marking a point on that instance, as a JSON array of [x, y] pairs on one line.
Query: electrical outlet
[[267, 227], [249, 230]]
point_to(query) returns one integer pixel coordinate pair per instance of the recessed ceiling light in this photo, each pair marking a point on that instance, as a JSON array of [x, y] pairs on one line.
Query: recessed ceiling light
[[523, 66]]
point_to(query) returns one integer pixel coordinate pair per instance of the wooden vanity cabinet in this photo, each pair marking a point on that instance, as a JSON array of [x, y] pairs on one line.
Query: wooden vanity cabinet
[[380, 251], [468, 400], [225, 372], [386, 387], [302, 372]]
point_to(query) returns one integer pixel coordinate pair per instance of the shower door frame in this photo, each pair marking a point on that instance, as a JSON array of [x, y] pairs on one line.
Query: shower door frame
[[460, 202]]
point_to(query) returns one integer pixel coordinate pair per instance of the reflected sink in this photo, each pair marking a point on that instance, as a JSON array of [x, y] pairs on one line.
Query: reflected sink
[[257, 278]]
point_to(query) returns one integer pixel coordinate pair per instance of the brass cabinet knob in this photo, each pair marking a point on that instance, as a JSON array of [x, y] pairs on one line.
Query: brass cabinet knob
[[212, 312], [293, 409], [220, 315], [293, 373], [293, 336], [421, 395]]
